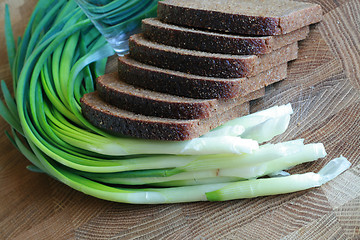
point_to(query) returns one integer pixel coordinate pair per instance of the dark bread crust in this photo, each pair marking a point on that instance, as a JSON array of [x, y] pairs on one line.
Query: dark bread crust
[[194, 86], [150, 103], [189, 61], [179, 83], [200, 40], [121, 122], [207, 64], [266, 19], [125, 96]]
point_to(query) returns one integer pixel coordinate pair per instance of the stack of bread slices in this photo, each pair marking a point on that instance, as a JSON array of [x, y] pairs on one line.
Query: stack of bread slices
[[197, 65]]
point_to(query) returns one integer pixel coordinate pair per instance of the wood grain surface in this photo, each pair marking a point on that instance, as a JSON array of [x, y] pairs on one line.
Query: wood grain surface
[[323, 86]]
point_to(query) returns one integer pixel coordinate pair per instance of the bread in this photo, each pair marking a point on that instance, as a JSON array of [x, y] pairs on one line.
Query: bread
[[207, 64], [124, 123], [150, 103], [193, 86], [216, 42], [249, 17], [178, 83]]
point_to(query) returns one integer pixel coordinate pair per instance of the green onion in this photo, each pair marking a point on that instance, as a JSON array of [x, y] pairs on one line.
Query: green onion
[[55, 62], [280, 185], [236, 168], [9, 36], [261, 126]]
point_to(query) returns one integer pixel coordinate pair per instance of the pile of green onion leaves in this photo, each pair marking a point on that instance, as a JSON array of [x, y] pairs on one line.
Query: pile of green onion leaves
[[56, 62]]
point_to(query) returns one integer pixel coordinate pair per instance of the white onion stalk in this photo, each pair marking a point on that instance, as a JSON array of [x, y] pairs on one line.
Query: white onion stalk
[[264, 154], [115, 146], [235, 171], [280, 185], [261, 126]]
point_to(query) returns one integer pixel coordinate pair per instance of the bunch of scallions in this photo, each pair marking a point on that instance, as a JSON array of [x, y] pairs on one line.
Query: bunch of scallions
[[56, 62]]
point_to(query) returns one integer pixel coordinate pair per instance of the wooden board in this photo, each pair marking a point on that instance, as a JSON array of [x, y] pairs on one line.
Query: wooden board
[[324, 88]]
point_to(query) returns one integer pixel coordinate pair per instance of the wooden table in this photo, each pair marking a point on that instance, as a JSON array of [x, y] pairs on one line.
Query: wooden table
[[323, 86]]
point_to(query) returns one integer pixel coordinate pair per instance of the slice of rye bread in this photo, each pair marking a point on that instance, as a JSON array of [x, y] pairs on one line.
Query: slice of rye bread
[[121, 122], [194, 86], [249, 17], [142, 101], [207, 64], [199, 40]]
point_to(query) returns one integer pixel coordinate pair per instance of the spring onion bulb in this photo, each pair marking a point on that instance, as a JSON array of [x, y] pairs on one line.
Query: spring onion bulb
[[204, 192], [167, 165], [115, 146], [264, 154], [236, 170], [281, 173], [261, 126], [280, 185], [235, 131], [308, 153]]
